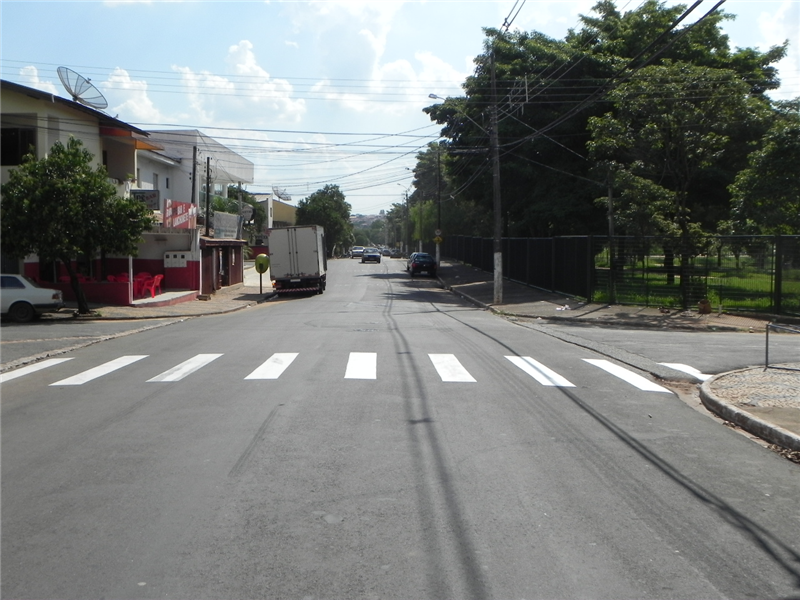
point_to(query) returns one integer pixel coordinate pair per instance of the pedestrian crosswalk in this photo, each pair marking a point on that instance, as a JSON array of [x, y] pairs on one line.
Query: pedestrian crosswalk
[[360, 366]]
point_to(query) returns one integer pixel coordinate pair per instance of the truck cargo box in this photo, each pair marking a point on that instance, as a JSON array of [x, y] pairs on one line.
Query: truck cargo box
[[298, 260]]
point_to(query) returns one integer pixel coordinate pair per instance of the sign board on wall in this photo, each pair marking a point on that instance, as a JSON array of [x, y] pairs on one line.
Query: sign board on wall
[[151, 198], [180, 215], [226, 226]]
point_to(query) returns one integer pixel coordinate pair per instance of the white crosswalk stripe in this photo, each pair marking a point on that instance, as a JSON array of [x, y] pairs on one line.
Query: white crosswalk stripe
[[687, 369], [185, 369], [50, 362], [539, 372], [99, 371], [274, 366], [634, 379], [362, 365], [450, 369]]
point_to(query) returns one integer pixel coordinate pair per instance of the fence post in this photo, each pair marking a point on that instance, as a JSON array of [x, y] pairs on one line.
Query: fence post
[[777, 281]]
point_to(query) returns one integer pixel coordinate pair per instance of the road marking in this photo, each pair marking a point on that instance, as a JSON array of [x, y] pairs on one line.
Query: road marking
[[362, 365], [450, 369], [274, 366], [634, 379], [101, 370], [185, 368], [687, 369], [50, 362], [539, 372]]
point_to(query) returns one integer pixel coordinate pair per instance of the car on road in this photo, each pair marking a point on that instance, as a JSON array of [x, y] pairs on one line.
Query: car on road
[[371, 255], [23, 300], [421, 262], [357, 251]]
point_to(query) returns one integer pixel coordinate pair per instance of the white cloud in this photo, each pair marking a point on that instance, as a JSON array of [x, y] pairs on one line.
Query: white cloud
[[30, 77], [776, 27], [250, 93], [132, 96]]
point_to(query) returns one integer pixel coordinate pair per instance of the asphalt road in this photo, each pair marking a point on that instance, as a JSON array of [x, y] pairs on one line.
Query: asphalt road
[[376, 442]]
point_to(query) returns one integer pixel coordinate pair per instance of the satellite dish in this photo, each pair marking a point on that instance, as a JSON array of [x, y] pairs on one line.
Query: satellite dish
[[281, 194], [81, 89]]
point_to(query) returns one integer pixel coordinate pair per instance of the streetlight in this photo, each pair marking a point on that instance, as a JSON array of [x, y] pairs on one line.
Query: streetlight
[[496, 201]]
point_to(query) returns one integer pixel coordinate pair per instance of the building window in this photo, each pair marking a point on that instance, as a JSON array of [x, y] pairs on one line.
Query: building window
[[166, 182], [16, 142], [155, 181]]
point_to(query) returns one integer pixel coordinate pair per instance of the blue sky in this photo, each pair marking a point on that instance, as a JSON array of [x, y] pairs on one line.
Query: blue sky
[[311, 92]]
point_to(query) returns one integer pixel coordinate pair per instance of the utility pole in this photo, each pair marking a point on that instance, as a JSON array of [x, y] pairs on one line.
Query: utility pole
[[498, 217], [208, 195], [438, 205]]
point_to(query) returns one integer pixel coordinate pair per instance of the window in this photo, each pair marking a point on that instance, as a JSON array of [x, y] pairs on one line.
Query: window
[[166, 182], [16, 142], [8, 282], [155, 181]]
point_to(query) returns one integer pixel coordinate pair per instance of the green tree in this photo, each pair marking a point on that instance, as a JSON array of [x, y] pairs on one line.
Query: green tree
[[766, 195], [60, 207], [548, 89], [669, 124], [327, 207]]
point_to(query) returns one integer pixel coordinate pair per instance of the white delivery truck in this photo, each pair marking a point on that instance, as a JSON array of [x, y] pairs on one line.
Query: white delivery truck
[[297, 259]]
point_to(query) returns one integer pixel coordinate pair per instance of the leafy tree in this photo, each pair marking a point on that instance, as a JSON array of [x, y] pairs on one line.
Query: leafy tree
[[548, 90], [327, 207], [60, 207], [669, 123], [766, 195]]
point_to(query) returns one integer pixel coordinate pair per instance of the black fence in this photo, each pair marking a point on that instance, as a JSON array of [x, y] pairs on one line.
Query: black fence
[[739, 273]]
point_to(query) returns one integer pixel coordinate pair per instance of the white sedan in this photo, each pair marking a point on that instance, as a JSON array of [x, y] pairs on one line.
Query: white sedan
[[22, 299]]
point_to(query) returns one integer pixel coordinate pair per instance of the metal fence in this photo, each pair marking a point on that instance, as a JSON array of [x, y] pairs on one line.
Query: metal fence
[[741, 273]]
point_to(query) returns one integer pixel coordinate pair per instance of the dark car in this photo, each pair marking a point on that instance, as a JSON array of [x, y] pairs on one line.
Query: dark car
[[370, 255], [421, 262]]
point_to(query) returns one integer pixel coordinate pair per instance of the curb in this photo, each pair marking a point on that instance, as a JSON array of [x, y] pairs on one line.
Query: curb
[[750, 423], [176, 316]]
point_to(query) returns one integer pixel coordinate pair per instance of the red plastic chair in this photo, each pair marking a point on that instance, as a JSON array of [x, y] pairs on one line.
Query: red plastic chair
[[151, 285], [111, 278]]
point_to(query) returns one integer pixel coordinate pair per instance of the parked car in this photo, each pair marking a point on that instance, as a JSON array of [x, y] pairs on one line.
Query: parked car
[[357, 251], [421, 262], [386, 252], [22, 299], [371, 255]]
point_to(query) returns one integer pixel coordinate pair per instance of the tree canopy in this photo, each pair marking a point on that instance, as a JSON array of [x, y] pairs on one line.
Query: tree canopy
[[60, 207], [666, 112], [327, 207]]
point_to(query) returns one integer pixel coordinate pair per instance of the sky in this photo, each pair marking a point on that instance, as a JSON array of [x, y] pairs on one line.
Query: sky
[[313, 93]]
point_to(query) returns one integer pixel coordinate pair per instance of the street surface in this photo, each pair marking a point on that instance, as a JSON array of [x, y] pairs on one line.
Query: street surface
[[382, 440]]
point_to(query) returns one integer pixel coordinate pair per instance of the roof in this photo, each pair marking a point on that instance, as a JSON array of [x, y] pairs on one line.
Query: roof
[[103, 119]]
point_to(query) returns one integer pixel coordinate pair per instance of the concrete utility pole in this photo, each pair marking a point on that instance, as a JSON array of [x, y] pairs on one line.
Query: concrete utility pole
[[498, 218]]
